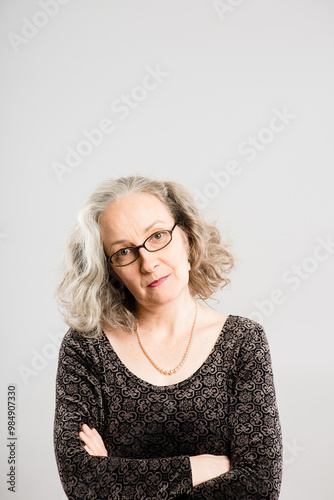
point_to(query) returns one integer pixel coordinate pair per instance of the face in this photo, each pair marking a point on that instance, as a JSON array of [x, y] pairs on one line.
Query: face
[[127, 223]]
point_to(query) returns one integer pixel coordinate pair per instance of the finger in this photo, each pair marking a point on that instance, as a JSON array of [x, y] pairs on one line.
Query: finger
[[98, 437], [88, 450], [93, 441], [86, 429], [90, 442], [91, 434], [93, 450]]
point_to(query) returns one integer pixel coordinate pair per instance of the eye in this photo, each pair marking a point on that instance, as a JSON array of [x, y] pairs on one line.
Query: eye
[[124, 252], [158, 236]]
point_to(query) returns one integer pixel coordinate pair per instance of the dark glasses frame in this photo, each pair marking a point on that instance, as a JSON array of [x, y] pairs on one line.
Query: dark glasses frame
[[170, 231]]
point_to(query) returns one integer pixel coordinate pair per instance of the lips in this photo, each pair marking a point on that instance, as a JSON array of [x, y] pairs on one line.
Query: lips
[[158, 282]]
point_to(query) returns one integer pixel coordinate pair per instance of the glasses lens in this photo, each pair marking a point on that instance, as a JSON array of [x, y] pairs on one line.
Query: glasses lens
[[155, 242], [158, 240], [124, 256]]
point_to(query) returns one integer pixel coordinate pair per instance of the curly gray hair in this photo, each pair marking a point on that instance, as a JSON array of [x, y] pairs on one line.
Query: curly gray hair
[[89, 295]]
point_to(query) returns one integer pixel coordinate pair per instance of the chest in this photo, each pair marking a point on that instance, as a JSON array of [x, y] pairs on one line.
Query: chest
[[132, 356], [146, 421]]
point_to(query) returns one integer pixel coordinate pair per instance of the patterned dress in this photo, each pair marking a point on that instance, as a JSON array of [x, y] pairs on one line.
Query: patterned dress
[[226, 407]]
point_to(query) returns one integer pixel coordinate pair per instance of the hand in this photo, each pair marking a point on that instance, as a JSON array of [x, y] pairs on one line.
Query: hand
[[205, 467], [94, 443]]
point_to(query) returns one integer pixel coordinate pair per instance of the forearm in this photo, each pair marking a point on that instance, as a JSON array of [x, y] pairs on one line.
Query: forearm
[[85, 473], [203, 467], [115, 477], [241, 484], [254, 425], [79, 400], [206, 467]]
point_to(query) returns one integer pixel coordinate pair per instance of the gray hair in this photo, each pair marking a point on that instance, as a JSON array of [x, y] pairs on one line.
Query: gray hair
[[89, 295]]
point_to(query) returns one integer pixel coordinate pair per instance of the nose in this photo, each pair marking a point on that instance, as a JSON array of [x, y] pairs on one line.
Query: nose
[[148, 261]]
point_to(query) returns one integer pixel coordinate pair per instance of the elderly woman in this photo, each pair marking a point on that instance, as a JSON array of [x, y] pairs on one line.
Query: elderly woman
[[158, 396]]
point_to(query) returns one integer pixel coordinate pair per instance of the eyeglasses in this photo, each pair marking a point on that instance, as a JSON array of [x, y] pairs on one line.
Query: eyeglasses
[[157, 241]]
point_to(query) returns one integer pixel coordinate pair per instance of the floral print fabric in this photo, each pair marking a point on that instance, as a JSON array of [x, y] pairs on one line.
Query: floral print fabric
[[227, 407]]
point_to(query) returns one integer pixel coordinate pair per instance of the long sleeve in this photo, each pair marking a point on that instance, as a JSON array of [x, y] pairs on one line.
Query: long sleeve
[[254, 426], [79, 399]]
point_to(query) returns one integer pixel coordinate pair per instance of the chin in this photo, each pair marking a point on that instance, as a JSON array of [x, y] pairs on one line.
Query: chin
[[165, 296]]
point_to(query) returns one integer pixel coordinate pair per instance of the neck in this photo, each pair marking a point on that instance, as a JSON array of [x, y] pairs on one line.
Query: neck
[[167, 321]]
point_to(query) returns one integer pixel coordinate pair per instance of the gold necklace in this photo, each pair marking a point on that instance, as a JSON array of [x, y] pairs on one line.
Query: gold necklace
[[161, 370]]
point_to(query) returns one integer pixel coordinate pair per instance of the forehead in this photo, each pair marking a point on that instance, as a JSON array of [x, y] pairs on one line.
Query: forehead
[[133, 212]]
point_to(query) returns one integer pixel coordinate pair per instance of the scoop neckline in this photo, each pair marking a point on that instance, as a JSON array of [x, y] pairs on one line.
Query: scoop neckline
[[177, 384]]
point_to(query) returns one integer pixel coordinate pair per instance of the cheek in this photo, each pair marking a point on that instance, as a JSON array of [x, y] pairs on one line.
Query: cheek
[[133, 279], [179, 260], [129, 281]]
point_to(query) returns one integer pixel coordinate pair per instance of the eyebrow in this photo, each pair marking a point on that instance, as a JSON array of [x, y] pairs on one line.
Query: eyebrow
[[120, 242]]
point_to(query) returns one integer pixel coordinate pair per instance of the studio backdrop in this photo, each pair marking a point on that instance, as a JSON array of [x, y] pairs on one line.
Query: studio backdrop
[[231, 98]]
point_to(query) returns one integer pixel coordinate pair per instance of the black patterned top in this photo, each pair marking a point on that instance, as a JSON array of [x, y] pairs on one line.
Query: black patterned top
[[226, 407]]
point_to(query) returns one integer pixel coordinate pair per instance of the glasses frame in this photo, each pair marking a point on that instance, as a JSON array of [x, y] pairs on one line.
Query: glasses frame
[[170, 231]]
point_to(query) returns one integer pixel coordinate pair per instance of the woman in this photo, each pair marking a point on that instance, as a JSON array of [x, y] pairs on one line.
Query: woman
[[158, 396]]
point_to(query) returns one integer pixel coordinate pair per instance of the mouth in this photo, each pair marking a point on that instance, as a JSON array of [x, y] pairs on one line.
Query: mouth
[[158, 282]]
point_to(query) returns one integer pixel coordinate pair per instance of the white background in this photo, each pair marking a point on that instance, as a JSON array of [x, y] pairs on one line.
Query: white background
[[226, 70]]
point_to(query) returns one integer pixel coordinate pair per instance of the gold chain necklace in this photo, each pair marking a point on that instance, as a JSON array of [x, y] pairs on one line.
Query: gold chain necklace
[[170, 372]]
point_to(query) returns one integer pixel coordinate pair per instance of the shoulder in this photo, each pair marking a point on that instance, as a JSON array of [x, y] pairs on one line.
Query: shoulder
[[243, 334], [243, 327], [237, 328], [246, 342], [75, 338], [209, 318], [75, 346]]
